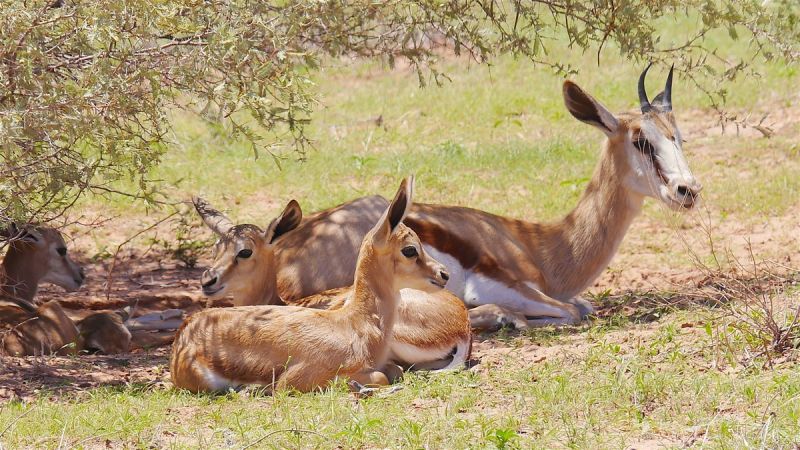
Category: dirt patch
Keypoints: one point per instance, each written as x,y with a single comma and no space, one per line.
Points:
150,283
28,378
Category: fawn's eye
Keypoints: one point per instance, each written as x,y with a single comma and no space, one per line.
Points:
62,251
410,251
244,253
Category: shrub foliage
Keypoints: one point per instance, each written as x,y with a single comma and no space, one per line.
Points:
85,87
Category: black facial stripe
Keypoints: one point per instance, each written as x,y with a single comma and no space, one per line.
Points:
643,145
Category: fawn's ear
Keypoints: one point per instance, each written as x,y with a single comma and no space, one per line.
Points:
585,108
396,212
218,222
288,220
13,232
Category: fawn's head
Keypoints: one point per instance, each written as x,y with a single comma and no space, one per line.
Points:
244,255
648,142
396,251
39,254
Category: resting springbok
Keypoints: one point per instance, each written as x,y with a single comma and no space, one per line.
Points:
320,253
432,330
539,269
39,254
303,348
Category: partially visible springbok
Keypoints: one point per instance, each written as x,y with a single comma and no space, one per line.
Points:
432,330
302,348
39,254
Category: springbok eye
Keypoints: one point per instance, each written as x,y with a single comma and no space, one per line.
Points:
244,253
410,251
62,251
642,144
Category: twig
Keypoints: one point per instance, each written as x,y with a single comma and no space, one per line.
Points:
17,419
290,430
110,278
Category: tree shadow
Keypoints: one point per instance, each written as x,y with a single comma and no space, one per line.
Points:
29,378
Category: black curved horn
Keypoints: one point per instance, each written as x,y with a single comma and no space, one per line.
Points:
644,103
668,91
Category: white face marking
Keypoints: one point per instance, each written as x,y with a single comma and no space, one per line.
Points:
672,162
62,271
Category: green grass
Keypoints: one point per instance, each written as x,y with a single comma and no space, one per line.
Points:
496,138
607,392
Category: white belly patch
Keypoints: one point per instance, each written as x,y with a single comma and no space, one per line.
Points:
409,354
477,289
482,290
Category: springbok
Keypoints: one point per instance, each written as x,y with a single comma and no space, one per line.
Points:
432,330
302,348
538,269
39,254
319,254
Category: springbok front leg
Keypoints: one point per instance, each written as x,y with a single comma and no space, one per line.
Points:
169,319
491,317
370,378
520,296
585,306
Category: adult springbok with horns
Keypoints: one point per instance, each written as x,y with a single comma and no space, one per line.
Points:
303,348
539,269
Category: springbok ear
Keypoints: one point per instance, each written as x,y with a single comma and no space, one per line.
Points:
288,220
218,222
31,234
9,231
396,212
658,101
14,232
585,108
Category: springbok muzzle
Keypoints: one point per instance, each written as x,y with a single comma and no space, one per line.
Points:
209,281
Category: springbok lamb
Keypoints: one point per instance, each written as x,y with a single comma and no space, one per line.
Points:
303,348
35,255
432,330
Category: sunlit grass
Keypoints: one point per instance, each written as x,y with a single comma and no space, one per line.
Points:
607,392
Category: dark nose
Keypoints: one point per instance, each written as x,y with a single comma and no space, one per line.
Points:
208,279
445,276
686,195
684,192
